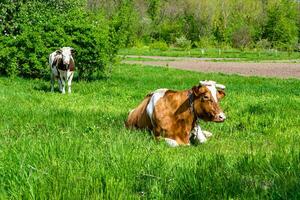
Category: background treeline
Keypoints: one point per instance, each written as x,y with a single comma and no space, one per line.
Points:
31,29
209,23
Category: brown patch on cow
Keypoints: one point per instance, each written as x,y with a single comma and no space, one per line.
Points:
173,117
138,118
72,64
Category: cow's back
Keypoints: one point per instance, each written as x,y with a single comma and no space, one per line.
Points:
138,117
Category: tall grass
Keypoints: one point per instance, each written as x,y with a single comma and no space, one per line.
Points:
55,146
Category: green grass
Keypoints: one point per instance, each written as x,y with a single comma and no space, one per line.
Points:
247,55
143,59
55,146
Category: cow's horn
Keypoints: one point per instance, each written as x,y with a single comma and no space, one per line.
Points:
207,83
202,82
220,86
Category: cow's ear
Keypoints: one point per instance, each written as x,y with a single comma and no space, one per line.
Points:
58,51
198,90
73,51
220,94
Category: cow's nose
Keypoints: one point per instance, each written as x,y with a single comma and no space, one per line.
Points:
221,116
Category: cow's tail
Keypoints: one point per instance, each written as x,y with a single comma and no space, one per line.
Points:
138,117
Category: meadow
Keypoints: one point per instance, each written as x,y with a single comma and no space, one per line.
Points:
256,55
55,146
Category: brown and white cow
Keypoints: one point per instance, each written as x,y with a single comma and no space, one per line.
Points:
62,68
173,115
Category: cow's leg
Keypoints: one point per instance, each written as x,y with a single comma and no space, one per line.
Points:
171,142
59,83
63,81
52,82
207,134
70,77
197,136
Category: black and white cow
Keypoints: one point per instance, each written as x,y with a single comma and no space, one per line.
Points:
62,68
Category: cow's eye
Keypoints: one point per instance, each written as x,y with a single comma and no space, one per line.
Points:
205,98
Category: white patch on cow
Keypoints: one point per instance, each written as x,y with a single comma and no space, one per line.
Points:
198,134
69,78
207,134
171,142
66,54
63,76
211,86
213,91
157,94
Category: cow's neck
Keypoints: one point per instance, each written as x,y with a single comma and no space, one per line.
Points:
191,97
186,109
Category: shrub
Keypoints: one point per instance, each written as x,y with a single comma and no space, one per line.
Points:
241,38
206,42
161,45
183,42
263,44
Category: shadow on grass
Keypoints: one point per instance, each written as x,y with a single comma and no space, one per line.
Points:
45,87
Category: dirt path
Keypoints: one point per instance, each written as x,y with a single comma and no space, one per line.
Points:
283,69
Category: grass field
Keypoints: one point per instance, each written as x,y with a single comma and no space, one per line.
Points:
55,146
238,55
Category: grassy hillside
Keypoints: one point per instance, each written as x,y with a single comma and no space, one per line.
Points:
55,146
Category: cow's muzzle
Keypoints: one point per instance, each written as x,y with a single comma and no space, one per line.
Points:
66,63
220,117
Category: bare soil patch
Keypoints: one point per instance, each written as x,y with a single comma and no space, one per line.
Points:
281,69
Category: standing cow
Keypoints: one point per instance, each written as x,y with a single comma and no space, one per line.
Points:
62,68
173,115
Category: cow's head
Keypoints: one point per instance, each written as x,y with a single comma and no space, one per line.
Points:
206,101
66,54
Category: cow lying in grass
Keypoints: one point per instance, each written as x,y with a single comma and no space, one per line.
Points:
173,115
62,68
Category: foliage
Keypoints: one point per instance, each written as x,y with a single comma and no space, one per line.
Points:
161,45
80,147
205,42
281,27
263,44
183,42
241,38
234,23
37,28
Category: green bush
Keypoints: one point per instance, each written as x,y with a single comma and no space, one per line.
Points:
184,43
205,42
44,27
241,38
161,45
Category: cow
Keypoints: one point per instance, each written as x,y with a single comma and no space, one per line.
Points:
173,115
62,68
